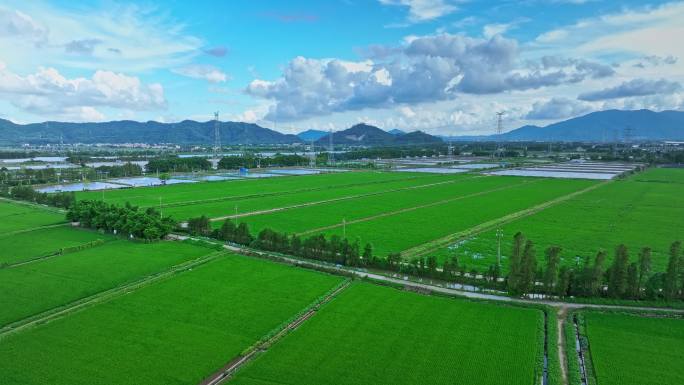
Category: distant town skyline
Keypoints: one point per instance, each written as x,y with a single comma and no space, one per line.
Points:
444,67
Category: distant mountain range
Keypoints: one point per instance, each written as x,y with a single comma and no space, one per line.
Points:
126,131
601,126
190,132
366,135
310,135
609,126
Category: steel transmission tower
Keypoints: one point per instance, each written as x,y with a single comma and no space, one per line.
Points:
217,135
499,129
312,158
331,156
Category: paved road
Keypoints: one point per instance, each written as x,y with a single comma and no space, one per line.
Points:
454,292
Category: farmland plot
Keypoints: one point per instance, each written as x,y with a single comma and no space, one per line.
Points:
30,289
178,331
225,207
198,192
29,245
310,218
646,210
404,230
629,349
18,217
377,335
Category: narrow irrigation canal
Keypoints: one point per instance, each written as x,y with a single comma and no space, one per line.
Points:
545,373
580,354
230,368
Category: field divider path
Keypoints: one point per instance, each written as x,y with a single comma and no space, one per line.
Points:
53,254
104,296
338,199
436,244
34,205
276,193
16,232
413,208
229,369
561,319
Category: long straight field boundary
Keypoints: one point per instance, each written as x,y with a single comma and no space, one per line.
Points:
229,369
561,319
413,208
104,296
439,243
34,205
276,193
338,199
33,229
56,253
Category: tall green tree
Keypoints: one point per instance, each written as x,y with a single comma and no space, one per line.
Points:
564,281
528,268
644,267
552,265
617,284
597,272
227,231
515,264
671,279
431,265
367,254
633,281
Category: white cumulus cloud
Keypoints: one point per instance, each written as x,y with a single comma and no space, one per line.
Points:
49,92
199,71
424,10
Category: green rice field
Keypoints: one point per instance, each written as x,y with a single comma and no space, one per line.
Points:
629,349
16,217
234,189
39,243
646,210
178,331
33,288
224,207
371,334
309,218
396,233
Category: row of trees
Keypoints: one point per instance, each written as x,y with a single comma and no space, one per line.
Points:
334,250
176,164
126,169
595,278
29,176
128,220
251,161
25,193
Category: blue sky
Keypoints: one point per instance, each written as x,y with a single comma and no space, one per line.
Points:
441,66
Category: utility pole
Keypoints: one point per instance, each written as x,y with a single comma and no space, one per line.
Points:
499,235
